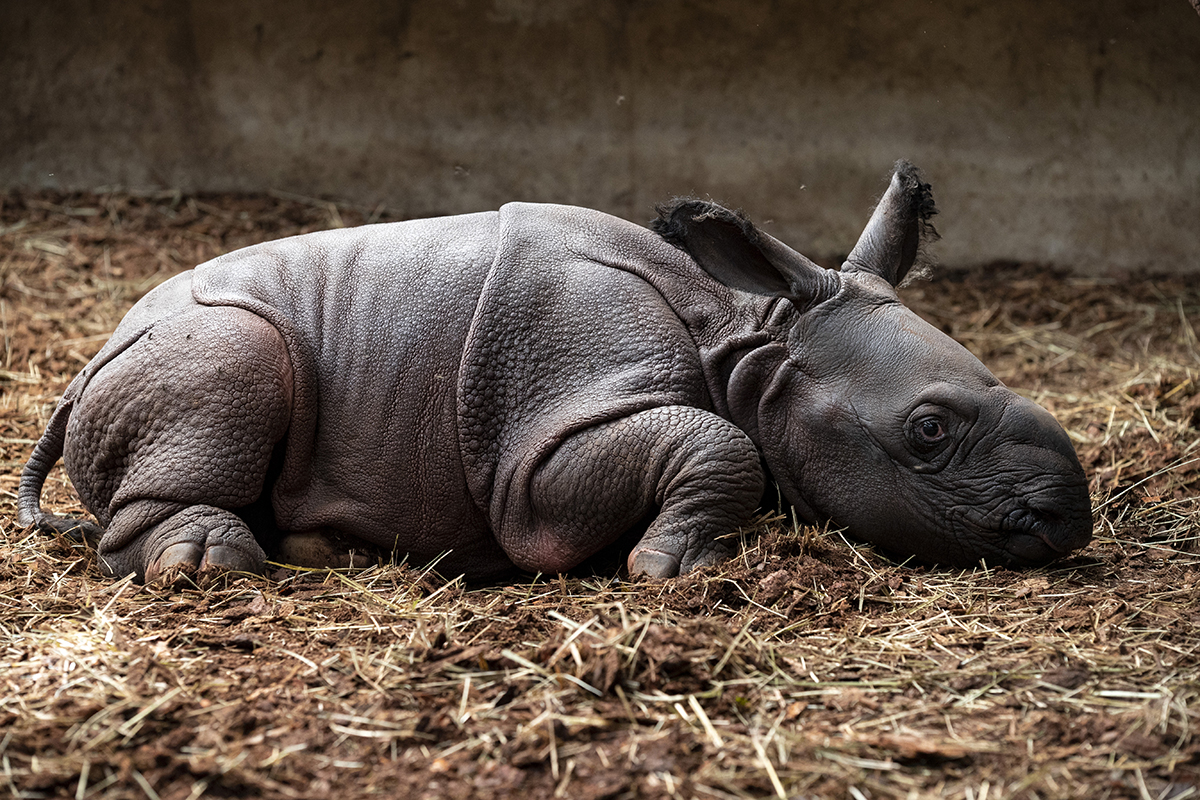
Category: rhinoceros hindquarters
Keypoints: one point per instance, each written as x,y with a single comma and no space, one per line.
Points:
175,434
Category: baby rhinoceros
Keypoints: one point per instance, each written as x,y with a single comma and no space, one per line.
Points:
529,386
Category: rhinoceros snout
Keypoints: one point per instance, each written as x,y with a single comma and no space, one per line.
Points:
1051,512
1068,525
1052,524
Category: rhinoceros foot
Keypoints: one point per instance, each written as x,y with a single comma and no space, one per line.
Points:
198,539
653,564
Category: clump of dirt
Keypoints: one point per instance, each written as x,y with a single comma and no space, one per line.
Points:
809,665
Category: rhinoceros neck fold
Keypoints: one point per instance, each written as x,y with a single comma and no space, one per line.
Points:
738,336
748,374
741,342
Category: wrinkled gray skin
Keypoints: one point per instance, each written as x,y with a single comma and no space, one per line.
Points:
525,387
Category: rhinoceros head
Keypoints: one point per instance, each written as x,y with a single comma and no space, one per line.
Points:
868,416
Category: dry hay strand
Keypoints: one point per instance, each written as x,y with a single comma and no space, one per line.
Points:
809,665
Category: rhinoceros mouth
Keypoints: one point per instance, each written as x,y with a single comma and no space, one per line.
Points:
1035,536
1031,549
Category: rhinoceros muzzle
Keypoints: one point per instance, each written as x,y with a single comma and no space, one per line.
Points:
1052,524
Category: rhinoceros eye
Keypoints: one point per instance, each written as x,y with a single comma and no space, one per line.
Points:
929,431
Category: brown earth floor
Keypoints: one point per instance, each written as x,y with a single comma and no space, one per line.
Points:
808,666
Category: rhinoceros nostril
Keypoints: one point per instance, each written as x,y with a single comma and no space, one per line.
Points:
1046,517
1060,528
1020,520
1063,528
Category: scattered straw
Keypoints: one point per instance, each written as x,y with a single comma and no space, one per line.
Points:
807,666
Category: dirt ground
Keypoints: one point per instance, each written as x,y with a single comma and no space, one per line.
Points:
809,666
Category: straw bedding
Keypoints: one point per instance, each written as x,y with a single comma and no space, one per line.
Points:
808,666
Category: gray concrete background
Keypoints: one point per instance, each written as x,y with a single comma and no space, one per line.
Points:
1058,132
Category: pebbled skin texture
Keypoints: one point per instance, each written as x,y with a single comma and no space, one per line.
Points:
165,429
526,387
428,420
699,471
468,416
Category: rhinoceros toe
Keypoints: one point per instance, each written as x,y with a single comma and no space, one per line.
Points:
653,564
227,559
196,539
181,558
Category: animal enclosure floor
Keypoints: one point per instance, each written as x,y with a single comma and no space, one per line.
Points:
807,666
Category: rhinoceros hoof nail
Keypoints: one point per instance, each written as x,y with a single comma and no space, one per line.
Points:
224,559
654,563
177,559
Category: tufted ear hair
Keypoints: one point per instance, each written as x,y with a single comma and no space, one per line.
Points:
728,247
898,229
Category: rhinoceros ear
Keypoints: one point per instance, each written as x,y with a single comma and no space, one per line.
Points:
898,229
728,247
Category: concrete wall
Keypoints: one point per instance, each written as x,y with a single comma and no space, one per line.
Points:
1053,131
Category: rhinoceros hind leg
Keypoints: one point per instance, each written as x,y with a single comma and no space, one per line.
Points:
188,539
175,435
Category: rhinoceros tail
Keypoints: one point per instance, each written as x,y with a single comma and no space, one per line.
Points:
29,494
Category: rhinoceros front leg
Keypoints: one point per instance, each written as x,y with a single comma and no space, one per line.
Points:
700,471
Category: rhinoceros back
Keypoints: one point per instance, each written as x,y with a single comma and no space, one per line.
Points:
375,320
438,362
